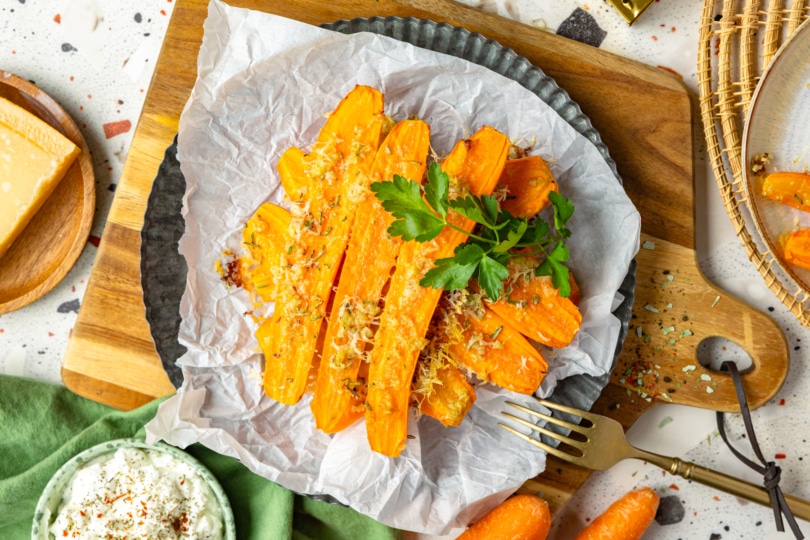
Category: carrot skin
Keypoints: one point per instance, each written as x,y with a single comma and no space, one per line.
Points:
476,162
789,188
797,248
529,181
503,356
370,256
323,210
520,517
625,519
536,310
265,236
293,173
451,399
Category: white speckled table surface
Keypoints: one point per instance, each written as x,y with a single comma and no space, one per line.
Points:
96,59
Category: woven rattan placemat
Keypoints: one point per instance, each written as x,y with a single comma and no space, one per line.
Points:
737,41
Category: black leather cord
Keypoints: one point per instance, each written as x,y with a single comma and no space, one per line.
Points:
768,469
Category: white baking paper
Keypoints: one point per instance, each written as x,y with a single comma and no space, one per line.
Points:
264,84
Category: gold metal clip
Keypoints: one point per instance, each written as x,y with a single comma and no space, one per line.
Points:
631,9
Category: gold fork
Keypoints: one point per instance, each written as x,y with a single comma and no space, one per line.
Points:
605,445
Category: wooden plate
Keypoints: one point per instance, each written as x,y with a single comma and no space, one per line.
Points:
777,123
51,243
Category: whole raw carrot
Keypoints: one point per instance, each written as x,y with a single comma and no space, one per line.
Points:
625,519
521,517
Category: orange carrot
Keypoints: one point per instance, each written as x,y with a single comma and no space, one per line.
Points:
476,162
528,181
322,212
532,306
625,519
294,174
797,248
498,353
370,256
790,188
265,236
520,517
450,397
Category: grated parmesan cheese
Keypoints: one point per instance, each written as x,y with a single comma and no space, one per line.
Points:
355,317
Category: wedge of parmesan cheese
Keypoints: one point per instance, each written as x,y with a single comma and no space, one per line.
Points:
34,158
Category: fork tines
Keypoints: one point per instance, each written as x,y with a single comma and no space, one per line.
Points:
579,445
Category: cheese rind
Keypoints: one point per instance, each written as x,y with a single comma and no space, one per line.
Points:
34,158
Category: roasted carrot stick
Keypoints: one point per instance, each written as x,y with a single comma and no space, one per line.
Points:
366,268
520,517
449,396
440,390
476,163
293,171
498,353
797,248
625,519
322,212
265,236
790,188
528,181
533,307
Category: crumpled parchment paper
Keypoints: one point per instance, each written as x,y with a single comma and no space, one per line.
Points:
264,84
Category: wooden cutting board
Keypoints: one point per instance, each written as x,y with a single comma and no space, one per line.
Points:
644,115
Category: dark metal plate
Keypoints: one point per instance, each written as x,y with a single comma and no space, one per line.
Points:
163,269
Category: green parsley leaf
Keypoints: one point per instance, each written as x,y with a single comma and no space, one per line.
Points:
470,207
454,272
437,188
490,209
554,266
491,275
498,237
400,197
537,230
563,210
512,238
560,253
502,258
504,215
482,210
403,199
469,253
419,226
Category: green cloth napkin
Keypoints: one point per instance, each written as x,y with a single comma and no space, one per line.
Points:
43,425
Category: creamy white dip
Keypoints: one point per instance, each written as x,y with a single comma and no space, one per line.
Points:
137,493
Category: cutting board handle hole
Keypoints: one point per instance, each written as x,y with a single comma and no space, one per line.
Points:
714,350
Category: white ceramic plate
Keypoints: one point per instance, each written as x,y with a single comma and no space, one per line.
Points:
51,497
779,123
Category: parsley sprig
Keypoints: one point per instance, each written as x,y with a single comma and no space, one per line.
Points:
499,236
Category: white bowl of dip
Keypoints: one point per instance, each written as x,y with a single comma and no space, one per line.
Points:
129,488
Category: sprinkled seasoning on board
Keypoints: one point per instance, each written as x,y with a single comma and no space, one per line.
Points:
655,363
